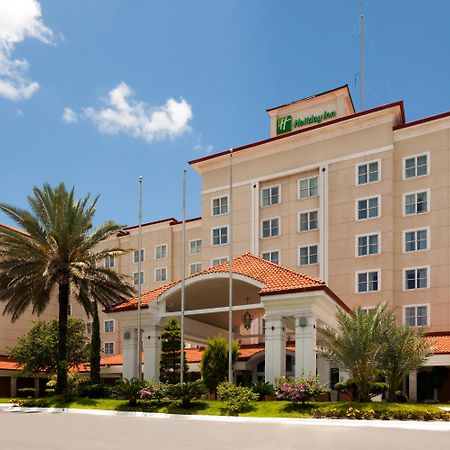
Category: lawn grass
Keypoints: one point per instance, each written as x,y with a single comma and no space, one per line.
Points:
213,407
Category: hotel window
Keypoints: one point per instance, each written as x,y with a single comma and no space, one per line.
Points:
89,328
368,281
416,240
416,166
416,315
220,236
109,348
270,196
368,208
308,221
416,203
217,261
136,256
195,246
367,309
194,268
308,187
161,251
368,172
220,205
160,274
272,256
110,262
416,278
307,255
368,244
109,326
136,278
270,228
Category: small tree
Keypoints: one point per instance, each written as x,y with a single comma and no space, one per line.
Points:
170,362
214,363
38,350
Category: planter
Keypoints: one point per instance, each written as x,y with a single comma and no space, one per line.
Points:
270,398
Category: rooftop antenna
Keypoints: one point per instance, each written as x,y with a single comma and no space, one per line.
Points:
361,54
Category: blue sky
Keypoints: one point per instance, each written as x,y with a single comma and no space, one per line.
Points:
114,89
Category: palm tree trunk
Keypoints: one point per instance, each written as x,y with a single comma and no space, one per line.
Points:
95,346
63,300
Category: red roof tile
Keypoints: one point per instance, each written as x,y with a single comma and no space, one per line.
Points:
275,278
440,342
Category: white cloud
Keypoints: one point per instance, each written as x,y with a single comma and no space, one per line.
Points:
123,114
69,116
19,20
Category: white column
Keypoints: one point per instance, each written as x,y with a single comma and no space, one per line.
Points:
152,352
129,349
13,385
305,344
412,394
275,349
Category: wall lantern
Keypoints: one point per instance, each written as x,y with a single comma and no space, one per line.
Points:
247,319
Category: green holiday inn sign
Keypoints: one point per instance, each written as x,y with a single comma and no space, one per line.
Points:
285,123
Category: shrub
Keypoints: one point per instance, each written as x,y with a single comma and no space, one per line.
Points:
299,389
26,392
350,387
186,392
49,392
263,388
95,390
129,389
236,398
400,397
153,391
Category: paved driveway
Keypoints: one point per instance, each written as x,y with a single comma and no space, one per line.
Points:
61,431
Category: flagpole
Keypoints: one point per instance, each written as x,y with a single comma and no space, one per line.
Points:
230,286
183,276
139,351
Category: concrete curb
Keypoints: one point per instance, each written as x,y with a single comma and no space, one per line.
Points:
398,424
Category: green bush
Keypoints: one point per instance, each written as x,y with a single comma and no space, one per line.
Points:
299,389
262,388
350,387
26,392
153,391
236,398
186,392
95,390
49,392
129,389
400,397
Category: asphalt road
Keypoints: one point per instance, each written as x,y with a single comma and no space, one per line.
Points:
60,431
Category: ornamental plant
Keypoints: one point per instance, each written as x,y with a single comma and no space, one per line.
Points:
236,398
153,391
300,389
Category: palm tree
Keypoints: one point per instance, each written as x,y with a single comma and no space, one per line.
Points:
56,253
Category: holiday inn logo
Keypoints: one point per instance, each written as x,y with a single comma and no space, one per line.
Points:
285,123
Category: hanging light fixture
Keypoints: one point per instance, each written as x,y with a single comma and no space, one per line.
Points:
247,319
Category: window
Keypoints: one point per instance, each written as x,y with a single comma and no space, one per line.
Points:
160,274
109,348
270,228
367,309
308,221
272,256
220,205
416,166
136,256
110,262
416,203
307,255
161,251
136,278
195,246
308,187
415,240
368,172
368,208
368,244
69,309
89,328
368,281
217,261
220,236
109,326
416,315
194,268
270,196
416,278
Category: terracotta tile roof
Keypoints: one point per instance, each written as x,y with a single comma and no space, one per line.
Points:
275,278
7,364
440,341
